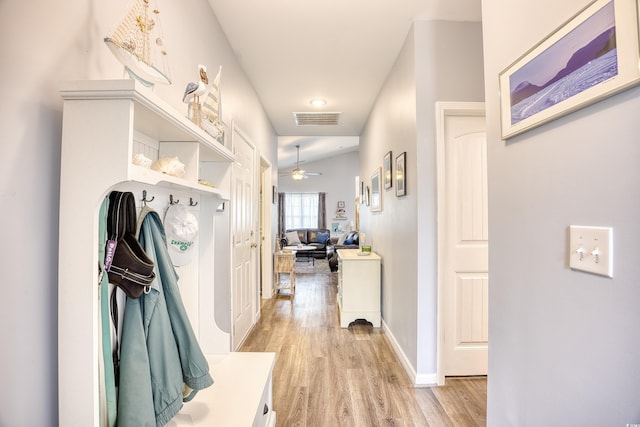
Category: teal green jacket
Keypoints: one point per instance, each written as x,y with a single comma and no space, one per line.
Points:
159,353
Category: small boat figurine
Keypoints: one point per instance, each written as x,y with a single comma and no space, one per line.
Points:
211,104
212,110
138,44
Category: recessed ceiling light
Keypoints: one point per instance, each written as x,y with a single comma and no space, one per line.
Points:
318,102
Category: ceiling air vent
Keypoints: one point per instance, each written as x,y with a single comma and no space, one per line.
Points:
316,119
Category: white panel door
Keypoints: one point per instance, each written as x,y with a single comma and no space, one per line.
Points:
244,235
466,247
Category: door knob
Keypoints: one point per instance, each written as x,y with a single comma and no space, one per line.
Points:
254,245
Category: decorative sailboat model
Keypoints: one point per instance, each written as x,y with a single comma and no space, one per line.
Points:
137,42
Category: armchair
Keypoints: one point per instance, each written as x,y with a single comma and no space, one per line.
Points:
348,240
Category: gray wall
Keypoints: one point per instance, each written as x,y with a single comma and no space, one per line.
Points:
449,68
564,345
337,180
391,126
440,61
44,43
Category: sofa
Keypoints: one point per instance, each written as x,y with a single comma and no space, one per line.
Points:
349,240
319,238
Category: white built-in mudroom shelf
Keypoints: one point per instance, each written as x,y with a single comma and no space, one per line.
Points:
105,123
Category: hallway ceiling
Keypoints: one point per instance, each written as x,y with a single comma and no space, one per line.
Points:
338,50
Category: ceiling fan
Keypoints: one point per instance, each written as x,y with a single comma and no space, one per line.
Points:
298,173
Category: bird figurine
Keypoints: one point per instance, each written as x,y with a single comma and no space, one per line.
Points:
194,91
189,92
202,70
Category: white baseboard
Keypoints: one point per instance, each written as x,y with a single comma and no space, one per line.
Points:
426,380
422,380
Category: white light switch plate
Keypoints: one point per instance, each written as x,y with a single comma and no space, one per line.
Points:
591,249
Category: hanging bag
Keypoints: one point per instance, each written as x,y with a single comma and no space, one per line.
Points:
127,264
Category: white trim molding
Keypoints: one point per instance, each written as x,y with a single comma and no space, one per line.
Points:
418,380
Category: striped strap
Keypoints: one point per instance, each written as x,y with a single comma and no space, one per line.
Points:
108,402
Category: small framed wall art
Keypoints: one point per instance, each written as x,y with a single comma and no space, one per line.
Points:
401,164
376,194
387,170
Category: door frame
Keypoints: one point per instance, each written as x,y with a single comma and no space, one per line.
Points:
266,239
443,110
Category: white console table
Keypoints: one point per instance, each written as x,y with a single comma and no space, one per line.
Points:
358,287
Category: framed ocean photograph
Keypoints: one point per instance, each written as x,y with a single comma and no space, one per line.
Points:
591,56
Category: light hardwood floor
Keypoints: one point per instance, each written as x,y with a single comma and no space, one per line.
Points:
328,376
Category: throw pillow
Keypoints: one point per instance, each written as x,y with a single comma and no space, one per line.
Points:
342,239
322,238
292,238
349,242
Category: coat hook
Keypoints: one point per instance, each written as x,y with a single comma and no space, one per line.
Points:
192,203
144,197
171,201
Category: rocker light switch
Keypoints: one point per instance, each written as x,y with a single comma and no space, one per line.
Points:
591,249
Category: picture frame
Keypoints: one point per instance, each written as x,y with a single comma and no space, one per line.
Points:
387,170
401,165
376,193
568,70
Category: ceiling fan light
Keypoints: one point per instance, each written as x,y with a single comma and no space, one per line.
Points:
297,174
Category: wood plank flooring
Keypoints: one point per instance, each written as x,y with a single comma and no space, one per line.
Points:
328,376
